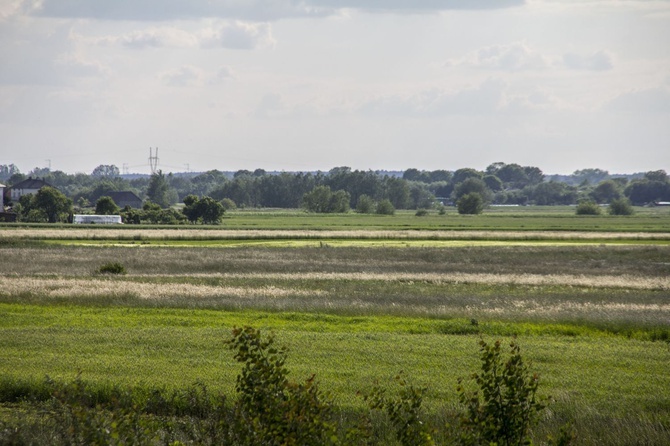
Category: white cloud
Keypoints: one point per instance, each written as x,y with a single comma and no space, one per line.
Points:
515,56
238,35
184,76
232,35
598,61
519,56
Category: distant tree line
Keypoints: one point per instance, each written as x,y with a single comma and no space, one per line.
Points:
342,188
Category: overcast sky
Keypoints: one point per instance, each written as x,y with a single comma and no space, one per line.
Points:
313,84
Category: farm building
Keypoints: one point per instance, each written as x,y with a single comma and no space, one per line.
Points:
25,187
86,219
126,198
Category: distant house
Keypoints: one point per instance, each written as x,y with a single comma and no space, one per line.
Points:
126,198
25,187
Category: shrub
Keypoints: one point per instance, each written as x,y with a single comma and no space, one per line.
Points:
471,203
365,205
385,207
504,407
421,213
270,409
620,206
111,268
588,207
403,412
228,204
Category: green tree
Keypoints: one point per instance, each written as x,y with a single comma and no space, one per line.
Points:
606,191
106,206
365,205
322,200
471,203
385,207
205,209
106,170
158,190
471,185
55,205
588,207
620,206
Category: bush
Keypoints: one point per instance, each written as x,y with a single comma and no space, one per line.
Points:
385,207
270,409
588,207
620,206
421,213
471,204
504,407
111,268
228,204
365,205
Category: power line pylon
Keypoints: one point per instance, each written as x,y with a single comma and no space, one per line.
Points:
153,160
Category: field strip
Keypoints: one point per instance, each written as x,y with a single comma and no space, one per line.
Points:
62,287
66,286
228,234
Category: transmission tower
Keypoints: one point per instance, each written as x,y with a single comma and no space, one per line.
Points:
125,168
153,160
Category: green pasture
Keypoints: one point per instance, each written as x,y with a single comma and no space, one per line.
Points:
610,375
523,218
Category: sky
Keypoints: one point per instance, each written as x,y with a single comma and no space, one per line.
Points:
303,85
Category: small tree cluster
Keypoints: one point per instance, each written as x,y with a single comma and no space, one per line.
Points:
106,206
588,207
367,205
322,200
152,213
471,203
48,204
205,209
620,206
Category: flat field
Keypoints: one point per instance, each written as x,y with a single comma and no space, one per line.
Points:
590,309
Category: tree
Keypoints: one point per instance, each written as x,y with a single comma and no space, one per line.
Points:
588,207
463,174
205,209
106,206
493,182
322,200
472,185
365,205
620,206
106,170
55,205
471,203
385,207
606,191
657,175
158,190
7,170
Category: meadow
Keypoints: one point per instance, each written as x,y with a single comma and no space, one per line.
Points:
590,309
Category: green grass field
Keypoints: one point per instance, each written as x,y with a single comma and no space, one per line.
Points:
592,312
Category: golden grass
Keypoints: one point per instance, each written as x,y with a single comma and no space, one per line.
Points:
212,234
65,287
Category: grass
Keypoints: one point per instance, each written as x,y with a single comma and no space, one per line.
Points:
594,318
593,377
